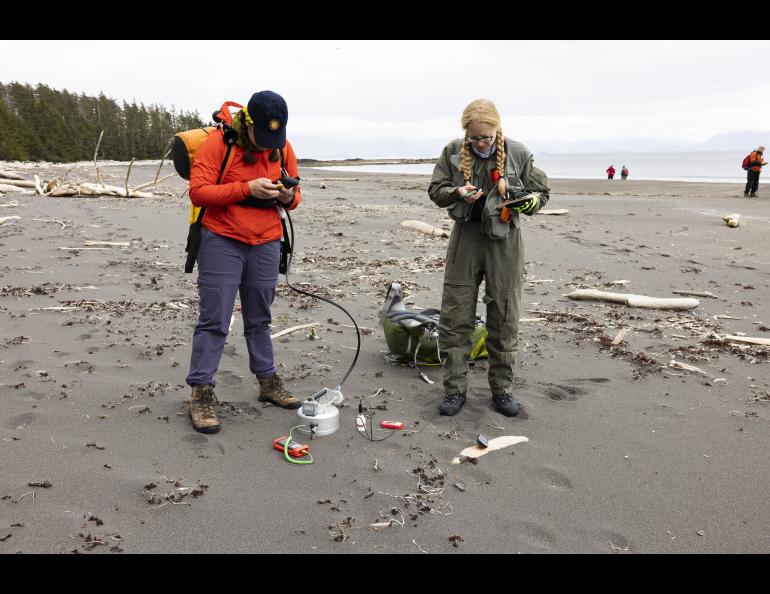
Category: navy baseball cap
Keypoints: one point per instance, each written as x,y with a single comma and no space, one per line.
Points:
268,114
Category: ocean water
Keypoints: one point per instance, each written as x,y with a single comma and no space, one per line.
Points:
713,167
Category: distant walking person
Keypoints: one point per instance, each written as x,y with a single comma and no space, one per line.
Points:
756,163
624,172
610,172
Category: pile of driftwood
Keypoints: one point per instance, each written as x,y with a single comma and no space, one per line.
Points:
58,186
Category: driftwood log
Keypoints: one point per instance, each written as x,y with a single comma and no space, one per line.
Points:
21,183
425,228
10,175
635,300
747,339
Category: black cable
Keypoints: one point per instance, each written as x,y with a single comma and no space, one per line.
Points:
288,267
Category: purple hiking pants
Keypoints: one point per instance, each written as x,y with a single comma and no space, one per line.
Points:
226,266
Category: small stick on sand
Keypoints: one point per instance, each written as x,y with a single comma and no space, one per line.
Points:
115,243
4,219
696,294
293,329
63,225
82,248
686,367
620,336
577,317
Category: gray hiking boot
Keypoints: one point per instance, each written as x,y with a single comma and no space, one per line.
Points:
272,390
506,405
451,404
202,401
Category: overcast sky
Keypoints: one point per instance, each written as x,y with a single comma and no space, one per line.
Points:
374,98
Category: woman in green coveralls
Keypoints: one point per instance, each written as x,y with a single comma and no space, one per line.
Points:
472,178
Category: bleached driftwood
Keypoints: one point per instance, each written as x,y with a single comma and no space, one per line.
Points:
425,228
620,336
635,300
494,444
96,151
293,329
10,175
89,189
21,183
732,220
4,219
747,339
553,211
9,189
686,367
696,294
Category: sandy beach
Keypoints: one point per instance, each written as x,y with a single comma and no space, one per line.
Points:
625,452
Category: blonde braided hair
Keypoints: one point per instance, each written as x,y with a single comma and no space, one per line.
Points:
484,111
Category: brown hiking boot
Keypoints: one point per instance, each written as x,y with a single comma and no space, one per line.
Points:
753,195
202,401
272,390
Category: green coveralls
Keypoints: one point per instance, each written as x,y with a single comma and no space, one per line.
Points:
471,257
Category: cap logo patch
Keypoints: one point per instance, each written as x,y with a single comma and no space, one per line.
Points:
274,125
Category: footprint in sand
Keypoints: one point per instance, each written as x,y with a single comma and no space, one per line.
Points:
195,439
553,478
84,337
201,445
24,419
536,535
613,539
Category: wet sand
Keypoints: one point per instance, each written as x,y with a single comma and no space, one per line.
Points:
625,454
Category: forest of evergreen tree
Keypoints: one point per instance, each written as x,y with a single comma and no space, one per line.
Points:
43,124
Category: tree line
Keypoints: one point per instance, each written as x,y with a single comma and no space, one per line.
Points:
44,124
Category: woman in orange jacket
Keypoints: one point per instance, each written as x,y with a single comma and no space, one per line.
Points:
240,248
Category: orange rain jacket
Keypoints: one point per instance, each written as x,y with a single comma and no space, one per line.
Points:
755,156
223,216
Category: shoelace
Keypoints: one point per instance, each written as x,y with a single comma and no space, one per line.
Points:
207,403
452,399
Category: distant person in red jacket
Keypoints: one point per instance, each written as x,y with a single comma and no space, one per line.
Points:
756,163
624,172
610,172
240,249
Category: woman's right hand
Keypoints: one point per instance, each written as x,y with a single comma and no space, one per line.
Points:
262,188
469,193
